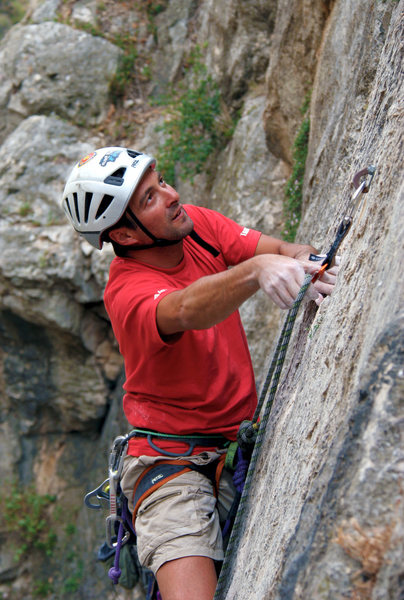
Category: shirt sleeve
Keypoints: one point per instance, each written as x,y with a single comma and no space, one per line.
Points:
132,311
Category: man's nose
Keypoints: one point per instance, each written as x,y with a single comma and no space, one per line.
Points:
171,195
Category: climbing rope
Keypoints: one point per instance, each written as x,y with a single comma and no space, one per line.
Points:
273,377
255,429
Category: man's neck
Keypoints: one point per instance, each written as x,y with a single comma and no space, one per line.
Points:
164,257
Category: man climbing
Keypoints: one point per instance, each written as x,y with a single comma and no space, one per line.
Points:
172,300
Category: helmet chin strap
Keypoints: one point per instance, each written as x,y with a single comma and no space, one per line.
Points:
157,242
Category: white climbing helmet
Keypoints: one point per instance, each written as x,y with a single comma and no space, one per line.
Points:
99,188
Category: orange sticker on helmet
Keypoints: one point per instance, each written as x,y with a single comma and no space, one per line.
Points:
86,159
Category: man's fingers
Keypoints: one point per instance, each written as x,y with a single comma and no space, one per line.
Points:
283,295
287,297
325,284
276,298
312,293
324,288
310,266
319,300
281,278
332,272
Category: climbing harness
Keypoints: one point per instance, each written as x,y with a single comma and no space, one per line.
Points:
253,431
120,523
160,472
241,456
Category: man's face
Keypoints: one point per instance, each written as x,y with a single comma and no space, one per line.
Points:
156,204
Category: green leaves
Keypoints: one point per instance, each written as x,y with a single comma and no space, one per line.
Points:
193,127
292,207
25,515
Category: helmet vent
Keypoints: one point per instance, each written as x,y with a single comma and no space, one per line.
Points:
104,204
76,206
87,204
68,207
119,173
116,178
133,153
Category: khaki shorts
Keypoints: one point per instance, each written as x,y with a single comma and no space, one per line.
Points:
182,517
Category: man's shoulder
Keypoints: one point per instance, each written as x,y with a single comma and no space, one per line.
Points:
122,272
129,270
129,284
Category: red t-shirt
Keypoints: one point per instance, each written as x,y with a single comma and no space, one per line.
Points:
203,382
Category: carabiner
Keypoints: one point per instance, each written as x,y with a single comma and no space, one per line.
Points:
117,455
111,533
361,187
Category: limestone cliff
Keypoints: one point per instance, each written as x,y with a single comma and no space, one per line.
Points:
325,517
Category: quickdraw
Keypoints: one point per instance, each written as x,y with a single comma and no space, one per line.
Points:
361,187
252,432
116,459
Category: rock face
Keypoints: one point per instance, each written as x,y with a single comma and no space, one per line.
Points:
240,38
291,69
324,519
51,68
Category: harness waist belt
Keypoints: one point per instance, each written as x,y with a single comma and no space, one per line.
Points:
193,440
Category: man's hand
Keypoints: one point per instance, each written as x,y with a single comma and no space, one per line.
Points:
326,283
281,278
300,252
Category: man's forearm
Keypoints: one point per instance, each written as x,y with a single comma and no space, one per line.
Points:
270,245
213,298
299,251
209,300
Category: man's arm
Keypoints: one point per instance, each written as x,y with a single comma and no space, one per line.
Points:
301,252
213,298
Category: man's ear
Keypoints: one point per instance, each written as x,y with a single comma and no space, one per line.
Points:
124,236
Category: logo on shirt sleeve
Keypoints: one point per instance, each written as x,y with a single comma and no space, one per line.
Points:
159,292
245,232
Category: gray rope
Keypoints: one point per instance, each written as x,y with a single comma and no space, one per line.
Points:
271,383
